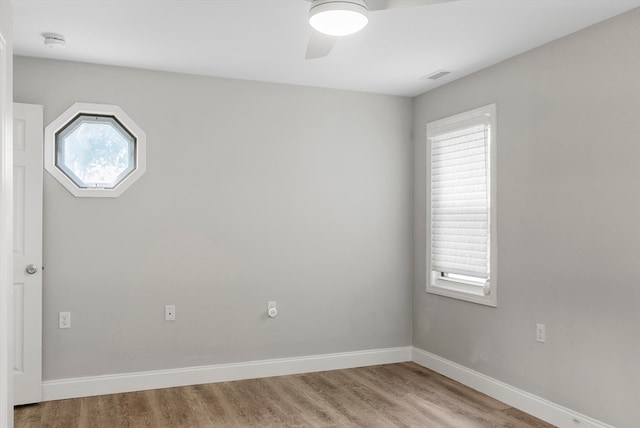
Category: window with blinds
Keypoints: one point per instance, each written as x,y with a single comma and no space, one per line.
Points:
461,149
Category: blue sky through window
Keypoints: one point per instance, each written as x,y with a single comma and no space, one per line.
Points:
95,151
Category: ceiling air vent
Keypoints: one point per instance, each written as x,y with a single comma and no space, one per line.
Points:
435,75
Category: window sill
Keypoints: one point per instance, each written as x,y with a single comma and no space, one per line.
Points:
460,291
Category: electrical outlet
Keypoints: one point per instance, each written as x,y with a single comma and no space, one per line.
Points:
541,333
170,313
64,320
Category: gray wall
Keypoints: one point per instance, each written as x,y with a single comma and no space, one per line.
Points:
253,192
568,146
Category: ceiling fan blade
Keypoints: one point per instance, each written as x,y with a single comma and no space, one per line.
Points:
319,45
374,5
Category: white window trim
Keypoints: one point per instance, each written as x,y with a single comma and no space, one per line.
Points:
486,295
103,110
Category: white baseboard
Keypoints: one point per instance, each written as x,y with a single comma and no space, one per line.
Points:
514,397
129,382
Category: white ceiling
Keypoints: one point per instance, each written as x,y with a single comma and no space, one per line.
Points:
265,40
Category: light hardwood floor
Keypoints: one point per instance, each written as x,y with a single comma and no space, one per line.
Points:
391,395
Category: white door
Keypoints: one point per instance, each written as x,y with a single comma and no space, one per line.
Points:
27,252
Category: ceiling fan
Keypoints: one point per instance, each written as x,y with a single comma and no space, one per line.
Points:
332,19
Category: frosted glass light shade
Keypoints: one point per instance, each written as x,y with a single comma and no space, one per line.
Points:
338,18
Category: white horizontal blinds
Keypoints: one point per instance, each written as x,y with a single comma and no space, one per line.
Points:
460,202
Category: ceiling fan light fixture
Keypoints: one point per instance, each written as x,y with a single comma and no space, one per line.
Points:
338,17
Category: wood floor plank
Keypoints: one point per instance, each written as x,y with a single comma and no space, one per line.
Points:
404,401
363,399
61,414
171,410
427,402
330,395
199,407
306,402
386,396
28,416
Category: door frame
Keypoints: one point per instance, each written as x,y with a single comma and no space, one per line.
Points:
6,216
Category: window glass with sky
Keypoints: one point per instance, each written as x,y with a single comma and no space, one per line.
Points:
95,151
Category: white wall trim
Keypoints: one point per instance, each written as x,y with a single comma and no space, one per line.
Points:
539,407
6,215
139,381
128,382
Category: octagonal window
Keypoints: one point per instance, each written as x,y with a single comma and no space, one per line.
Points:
94,150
